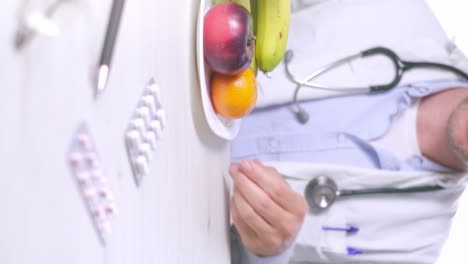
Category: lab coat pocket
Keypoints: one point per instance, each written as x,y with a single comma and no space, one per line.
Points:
322,239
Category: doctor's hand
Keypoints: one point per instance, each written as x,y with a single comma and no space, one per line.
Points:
266,211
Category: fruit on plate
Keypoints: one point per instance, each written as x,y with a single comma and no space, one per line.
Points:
250,6
234,96
228,39
272,28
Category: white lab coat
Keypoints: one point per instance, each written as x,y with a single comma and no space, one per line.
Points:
403,228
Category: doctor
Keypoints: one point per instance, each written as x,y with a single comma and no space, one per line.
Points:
418,127
429,132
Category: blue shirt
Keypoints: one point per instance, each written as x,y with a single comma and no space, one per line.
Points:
338,130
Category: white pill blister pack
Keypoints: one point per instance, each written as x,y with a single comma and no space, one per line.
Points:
145,131
92,182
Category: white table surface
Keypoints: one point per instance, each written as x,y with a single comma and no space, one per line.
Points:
179,214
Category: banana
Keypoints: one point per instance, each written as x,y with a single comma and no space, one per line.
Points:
253,12
273,18
250,5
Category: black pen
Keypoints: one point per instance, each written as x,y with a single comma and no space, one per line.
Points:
109,42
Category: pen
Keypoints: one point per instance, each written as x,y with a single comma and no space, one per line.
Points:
354,251
350,229
109,42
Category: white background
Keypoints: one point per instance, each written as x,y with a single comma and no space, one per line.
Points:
454,19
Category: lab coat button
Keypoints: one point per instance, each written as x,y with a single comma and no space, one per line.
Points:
341,138
423,90
274,144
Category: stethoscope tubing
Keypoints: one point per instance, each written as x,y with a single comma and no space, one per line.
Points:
401,67
306,81
420,189
322,192
383,190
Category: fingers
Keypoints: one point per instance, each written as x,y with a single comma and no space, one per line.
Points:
244,230
262,244
269,180
265,209
255,222
261,202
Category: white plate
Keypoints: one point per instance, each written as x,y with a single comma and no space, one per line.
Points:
223,127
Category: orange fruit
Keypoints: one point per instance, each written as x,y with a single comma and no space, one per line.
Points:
234,96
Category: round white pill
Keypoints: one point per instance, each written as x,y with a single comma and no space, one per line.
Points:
156,127
151,103
150,138
142,166
144,113
161,116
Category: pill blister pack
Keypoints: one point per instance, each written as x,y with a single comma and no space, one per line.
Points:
92,182
145,130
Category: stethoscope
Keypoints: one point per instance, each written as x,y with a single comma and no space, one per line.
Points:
322,192
400,65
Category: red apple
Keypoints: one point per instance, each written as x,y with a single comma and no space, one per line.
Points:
228,39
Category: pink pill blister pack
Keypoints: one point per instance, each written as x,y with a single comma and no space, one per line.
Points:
92,182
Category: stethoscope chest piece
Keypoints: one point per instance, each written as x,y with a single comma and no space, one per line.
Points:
321,193
302,116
